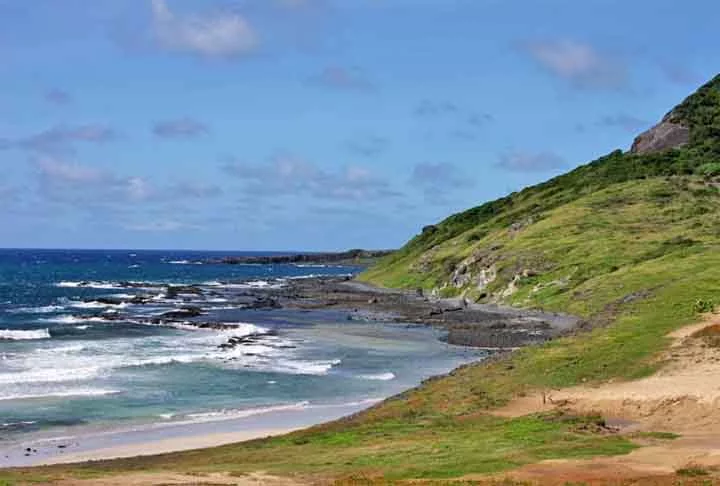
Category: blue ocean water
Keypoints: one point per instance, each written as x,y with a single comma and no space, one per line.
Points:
78,349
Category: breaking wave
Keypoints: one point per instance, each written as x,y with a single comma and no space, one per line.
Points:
13,335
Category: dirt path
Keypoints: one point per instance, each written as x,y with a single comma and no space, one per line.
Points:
169,479
683,398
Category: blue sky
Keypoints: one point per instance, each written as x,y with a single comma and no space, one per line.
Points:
316,124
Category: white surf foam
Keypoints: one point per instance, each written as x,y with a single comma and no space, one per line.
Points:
221,415
16,424
88,284
379,376
46,309
96,305
80,392
303,367
50,375
73,319
14,335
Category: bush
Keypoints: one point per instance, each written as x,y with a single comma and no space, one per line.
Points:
703,306
692,471
711,169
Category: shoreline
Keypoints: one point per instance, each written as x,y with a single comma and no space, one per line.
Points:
490,327
151,439
164,446
472,325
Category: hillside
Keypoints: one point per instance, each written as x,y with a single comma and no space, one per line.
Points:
629,242
520,249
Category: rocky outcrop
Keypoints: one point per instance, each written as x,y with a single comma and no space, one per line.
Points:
346,257
666,135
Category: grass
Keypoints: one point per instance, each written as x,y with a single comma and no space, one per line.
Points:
656,435
692,471
432,447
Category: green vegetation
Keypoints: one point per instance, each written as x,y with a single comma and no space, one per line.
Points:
656,435
412,266
427,446
692,471
631,243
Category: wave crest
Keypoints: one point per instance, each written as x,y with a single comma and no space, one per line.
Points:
14,335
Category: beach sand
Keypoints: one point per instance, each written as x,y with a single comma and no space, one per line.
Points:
152,439
164,446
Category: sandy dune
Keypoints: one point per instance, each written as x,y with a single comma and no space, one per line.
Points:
683,398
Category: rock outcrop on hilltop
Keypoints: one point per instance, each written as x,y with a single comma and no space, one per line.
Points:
665,135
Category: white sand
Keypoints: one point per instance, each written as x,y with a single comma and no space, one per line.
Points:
164,446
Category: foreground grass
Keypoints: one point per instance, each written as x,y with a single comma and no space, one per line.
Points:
415,447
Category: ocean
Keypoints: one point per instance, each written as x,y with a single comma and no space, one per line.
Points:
82,349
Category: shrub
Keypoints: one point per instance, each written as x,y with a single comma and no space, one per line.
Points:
692,471
708,170
703,306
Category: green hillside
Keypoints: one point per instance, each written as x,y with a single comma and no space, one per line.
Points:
630,242
526,237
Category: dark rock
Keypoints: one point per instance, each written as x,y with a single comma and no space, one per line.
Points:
264,303
250,339
173,291
182,313
320,258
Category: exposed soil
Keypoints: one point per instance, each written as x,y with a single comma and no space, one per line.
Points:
683,398
170,479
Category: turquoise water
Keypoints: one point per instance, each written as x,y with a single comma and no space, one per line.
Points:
70,361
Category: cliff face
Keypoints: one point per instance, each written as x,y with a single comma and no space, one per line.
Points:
664,136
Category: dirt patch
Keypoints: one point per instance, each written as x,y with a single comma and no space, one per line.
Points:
683,398
168,479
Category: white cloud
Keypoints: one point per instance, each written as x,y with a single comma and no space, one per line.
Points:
79,184
579,63
288,174
225,34
437,181
163,226
180,128
61,138
56,171
628,123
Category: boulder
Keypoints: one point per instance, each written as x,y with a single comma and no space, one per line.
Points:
666,135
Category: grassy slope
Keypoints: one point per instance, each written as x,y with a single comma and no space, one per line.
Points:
628,242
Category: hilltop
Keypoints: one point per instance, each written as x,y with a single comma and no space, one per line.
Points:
631,244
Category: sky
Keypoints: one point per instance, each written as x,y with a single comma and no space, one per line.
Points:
316,124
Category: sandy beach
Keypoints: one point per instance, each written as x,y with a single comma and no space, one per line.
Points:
156,438
165,446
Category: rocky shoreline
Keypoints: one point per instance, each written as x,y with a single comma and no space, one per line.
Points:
467,324
350,257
